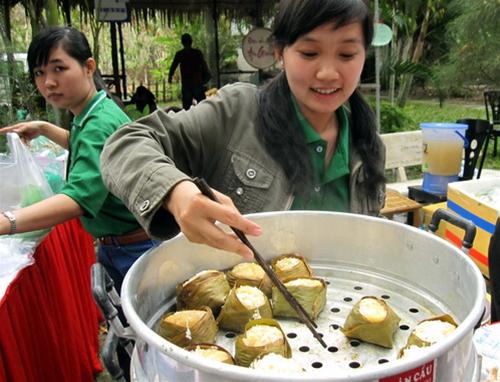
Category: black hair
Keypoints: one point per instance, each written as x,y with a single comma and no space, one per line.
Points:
74,43
186,39
280,128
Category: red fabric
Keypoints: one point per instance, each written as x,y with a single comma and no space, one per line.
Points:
48,319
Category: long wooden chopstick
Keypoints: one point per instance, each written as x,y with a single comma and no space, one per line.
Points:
303,316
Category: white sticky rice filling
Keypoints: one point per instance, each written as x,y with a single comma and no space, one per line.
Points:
278,363
311,283
211,353
287,263
251,297
260,335
251,271
372,310
433,330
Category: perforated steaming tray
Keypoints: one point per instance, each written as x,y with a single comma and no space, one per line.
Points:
346,286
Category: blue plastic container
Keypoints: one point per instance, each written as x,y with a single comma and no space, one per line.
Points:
437,184
443,145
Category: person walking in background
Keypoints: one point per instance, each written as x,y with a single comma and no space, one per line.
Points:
194,72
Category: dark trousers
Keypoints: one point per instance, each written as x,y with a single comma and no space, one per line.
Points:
117,260
190,92
494,268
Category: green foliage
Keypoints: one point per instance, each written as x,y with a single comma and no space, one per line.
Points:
393,118
474,36
408,67
17,93
425,111
407,57
20,30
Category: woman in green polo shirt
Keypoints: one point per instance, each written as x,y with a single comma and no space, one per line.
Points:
62,67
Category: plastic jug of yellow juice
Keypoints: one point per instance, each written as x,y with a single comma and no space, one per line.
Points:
442,152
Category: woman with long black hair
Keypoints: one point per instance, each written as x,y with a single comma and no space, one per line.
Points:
307,140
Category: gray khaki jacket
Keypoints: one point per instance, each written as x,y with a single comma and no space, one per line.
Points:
216,140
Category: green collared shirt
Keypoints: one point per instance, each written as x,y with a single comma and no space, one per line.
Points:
331,184
104,214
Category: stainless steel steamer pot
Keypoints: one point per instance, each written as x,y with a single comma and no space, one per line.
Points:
419,273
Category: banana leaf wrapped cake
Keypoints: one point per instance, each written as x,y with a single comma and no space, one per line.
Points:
276,363
207,288
372,320
187,327
427,333
213,352
310,292
244,303
250,274
291,266
261,337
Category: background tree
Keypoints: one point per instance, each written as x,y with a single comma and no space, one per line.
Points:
34,9
474,37
412,22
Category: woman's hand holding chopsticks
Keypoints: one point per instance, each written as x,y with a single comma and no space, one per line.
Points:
196,216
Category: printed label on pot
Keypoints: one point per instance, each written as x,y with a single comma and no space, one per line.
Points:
423,373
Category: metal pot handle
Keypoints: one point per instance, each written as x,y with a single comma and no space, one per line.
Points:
470,234
107,299
450,217
109,358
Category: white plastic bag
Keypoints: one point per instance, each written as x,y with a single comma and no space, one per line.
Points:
52,159
23,182
487,343
15,254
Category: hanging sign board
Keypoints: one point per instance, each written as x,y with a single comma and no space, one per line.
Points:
112,10
382,35
257,48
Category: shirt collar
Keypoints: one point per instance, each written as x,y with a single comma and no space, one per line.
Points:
96,100
312,135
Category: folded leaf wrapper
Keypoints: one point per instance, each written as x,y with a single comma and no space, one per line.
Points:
310,292
250,274
207,288
291,265
243,304
375,325
188,327
260,337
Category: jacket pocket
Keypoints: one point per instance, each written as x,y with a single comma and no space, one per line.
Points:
250,172
376,203
248,183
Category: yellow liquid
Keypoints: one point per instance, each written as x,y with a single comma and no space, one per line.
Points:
442,158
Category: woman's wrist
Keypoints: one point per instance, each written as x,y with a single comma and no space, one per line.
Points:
44,128
7,223
180,191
